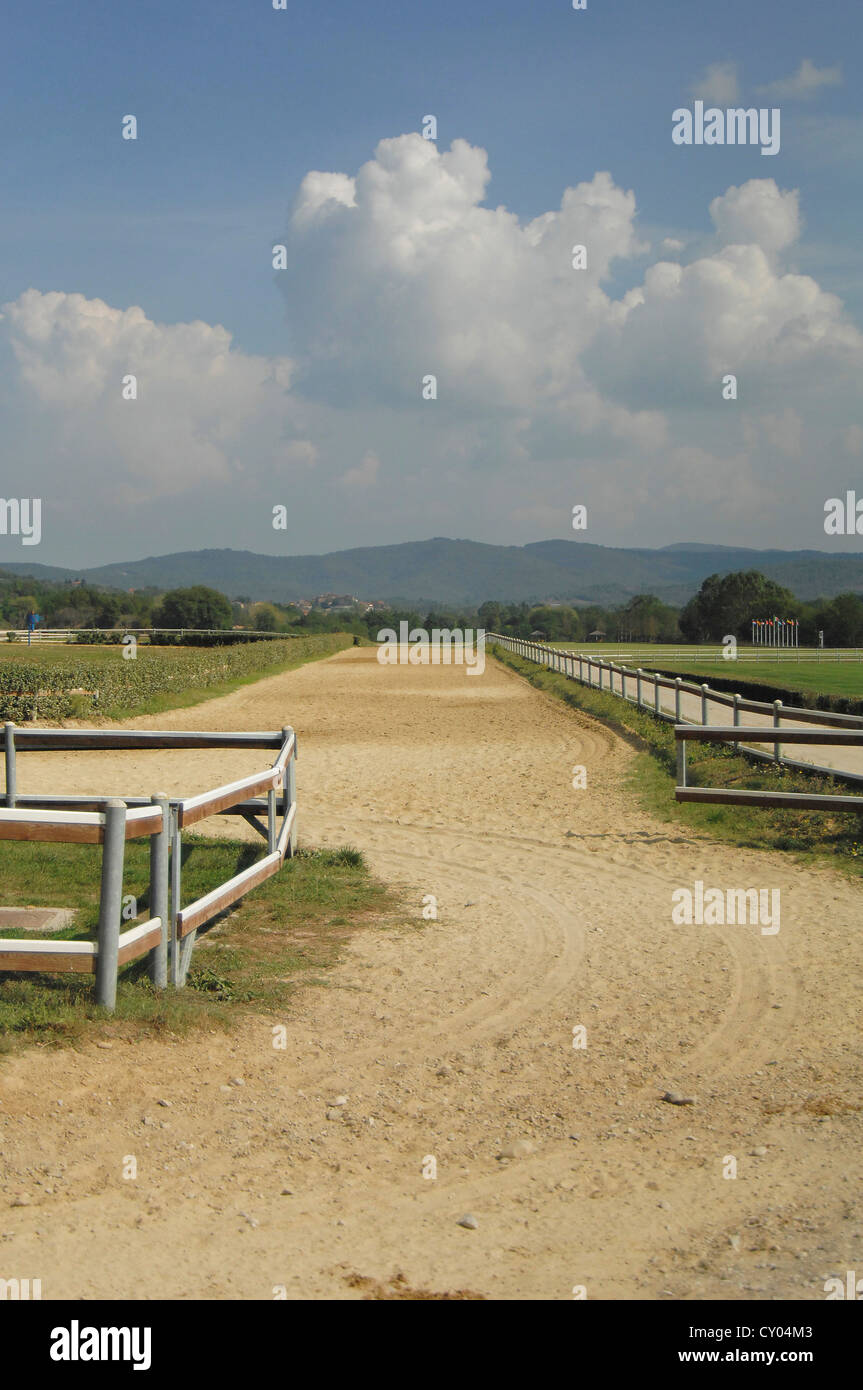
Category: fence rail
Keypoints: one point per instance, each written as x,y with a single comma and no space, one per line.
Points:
735,796
69,634
168,937
644,689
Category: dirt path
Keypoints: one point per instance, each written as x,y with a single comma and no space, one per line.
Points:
455,1040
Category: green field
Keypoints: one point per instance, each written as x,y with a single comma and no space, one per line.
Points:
814,678
64,654
815,673
76,682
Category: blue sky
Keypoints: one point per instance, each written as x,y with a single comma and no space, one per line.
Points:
237,103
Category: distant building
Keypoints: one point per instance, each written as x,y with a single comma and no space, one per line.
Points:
597,635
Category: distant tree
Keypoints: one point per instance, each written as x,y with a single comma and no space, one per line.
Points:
649,619
490,616
727,603
266,618
197,608
107,610
842,621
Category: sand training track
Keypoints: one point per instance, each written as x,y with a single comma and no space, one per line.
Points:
453,1038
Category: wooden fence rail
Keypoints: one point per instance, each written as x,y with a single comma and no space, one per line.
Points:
168,937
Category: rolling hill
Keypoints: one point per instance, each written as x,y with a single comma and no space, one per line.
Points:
467,572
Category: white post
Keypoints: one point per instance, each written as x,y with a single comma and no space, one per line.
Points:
159,851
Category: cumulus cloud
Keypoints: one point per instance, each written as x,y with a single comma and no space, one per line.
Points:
198,406
802,84
551,389
758,213
718,85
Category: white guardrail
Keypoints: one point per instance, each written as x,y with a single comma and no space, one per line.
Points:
646,690
70,634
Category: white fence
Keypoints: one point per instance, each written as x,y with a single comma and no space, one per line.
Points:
70,634
682,702
171,931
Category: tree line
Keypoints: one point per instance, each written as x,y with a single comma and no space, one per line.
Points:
724,605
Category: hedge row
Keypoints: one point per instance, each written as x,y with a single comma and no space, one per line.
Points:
78,690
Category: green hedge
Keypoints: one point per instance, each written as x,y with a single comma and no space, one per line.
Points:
34,690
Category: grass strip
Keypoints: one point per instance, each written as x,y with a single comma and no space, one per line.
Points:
286,933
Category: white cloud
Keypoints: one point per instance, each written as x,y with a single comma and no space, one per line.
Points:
758,213
802,84
199,401
550,391
718,85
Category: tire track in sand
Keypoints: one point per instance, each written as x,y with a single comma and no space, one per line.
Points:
454,1037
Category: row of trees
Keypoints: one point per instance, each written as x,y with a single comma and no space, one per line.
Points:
644,618
725,604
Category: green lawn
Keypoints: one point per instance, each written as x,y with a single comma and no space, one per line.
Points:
813,677
824,674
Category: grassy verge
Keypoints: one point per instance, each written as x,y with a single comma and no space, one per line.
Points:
809,834
285,933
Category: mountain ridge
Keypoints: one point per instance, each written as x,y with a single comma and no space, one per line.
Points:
465,572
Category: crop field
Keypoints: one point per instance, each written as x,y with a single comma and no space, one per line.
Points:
49,654
79,682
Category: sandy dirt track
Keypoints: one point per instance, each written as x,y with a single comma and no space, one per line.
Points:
453,1038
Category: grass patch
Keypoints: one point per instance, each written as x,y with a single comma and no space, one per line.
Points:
286,933
809,834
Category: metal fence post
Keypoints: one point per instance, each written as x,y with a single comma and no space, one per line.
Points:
736,719
600,673
271,821
9,729
657,704
777,721
159,851
681,762
110,902
176,892
704,714
677,696
638,675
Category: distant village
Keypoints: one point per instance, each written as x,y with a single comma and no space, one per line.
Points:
334,603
